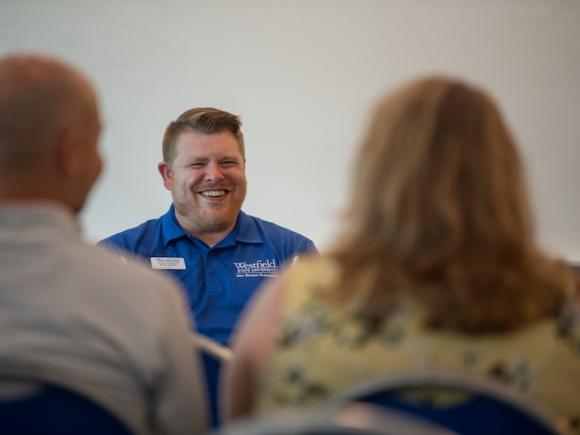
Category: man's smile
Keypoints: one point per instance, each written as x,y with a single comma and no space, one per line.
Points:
213,193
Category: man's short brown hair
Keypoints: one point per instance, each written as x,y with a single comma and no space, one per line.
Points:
206,120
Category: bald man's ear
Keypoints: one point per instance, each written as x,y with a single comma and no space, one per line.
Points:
68,153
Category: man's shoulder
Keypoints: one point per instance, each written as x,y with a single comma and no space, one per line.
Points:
145,227
135,238
125,271
279,234
274,228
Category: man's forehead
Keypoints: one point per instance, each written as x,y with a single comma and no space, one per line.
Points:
195,142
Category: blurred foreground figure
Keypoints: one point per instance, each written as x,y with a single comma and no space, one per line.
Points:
436,267
73,314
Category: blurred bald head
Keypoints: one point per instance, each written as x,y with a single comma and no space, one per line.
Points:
49,129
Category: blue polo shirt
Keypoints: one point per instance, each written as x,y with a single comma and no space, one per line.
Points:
219,280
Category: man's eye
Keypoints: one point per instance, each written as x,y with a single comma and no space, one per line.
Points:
229,163
196,165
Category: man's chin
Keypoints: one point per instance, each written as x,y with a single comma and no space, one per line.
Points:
206,221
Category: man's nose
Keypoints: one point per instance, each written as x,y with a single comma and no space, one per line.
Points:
213,172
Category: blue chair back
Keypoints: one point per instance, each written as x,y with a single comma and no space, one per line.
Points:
47,409
486,407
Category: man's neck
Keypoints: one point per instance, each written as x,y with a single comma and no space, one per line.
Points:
32,198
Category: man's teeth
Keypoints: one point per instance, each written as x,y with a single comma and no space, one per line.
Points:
213,193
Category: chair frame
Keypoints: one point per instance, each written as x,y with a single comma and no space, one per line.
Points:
211,347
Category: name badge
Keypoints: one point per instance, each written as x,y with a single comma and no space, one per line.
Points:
171,263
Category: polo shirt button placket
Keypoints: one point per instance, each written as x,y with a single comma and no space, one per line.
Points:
215,286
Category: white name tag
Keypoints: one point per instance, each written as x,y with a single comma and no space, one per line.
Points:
174,263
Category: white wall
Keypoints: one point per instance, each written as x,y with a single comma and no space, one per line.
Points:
303,75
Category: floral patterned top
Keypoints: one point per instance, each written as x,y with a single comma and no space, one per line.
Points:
321,351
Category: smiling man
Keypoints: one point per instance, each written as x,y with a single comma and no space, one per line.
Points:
219,253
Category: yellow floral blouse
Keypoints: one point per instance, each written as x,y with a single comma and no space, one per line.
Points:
321,351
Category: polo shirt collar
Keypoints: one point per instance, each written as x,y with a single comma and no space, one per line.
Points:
245,231
171,230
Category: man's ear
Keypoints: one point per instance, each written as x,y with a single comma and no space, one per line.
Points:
68,153
167,174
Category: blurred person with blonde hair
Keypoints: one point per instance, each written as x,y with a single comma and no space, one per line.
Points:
436,267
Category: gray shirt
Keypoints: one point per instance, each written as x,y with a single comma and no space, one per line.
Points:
75,314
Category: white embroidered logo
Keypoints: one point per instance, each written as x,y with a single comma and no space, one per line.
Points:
260,268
